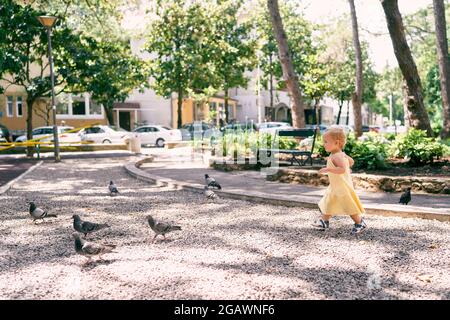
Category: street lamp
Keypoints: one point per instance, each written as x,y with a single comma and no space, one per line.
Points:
48,22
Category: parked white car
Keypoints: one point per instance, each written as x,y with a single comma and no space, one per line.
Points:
347,129
157,135
273,127
392,129
64,135
104,134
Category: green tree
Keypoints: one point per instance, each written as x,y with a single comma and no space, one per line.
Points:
338,56
304,51
234,49
97,18
107,70
179,41
23,46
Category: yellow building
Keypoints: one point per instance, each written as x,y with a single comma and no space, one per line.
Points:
213,110
77,112
73,111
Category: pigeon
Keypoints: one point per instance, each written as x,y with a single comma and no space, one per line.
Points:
406,196
37,213
209,193
90,249
112,189
160,227
211,182
86,226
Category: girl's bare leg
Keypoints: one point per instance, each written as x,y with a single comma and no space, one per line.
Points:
326,217
356,218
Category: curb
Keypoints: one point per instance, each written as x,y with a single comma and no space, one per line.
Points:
9,185
132,168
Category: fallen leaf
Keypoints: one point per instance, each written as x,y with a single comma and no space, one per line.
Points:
363,242
425,277
433,246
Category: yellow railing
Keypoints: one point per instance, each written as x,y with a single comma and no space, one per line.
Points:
37,143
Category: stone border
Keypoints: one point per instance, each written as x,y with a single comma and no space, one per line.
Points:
6,187
383,210
364,181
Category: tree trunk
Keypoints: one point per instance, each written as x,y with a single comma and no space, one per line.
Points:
109,114
357,95
348,113
179,108
417,113
317,110
298,113
227,116
341,103
30,102
405,105
443,61
271,81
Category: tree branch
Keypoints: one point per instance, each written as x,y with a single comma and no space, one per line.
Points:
377,34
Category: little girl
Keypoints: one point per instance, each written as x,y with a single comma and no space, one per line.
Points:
340,197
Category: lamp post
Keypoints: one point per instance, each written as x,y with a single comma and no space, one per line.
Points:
48,22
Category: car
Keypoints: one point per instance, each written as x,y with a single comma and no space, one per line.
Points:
273,127
104,134
157,135
5,135
199,130
45,134
347,129
394,129
243,127
322,127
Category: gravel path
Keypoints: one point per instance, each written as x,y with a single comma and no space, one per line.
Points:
227,250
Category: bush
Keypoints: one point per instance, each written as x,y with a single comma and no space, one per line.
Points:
417,147
287,143
370,154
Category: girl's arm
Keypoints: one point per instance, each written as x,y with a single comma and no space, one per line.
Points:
350,160
338,163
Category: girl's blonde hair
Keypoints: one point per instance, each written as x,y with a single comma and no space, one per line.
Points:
337,134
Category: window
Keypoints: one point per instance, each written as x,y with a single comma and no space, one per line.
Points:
167,128
47,131
94,130
94,108
19,107
141,130
37,131
79,108
62,108
9,106
153,129
230,111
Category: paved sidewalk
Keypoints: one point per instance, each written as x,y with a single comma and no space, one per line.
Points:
11,168
178,164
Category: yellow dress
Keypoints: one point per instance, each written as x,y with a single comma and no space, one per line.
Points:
340,197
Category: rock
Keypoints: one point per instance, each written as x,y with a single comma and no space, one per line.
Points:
432,187
446,189
387,184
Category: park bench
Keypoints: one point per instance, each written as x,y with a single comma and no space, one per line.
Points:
304,155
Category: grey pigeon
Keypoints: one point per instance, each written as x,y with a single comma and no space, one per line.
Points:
112,189
90,249
37,213
160,227
86,226
405,197
211,182
209,193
